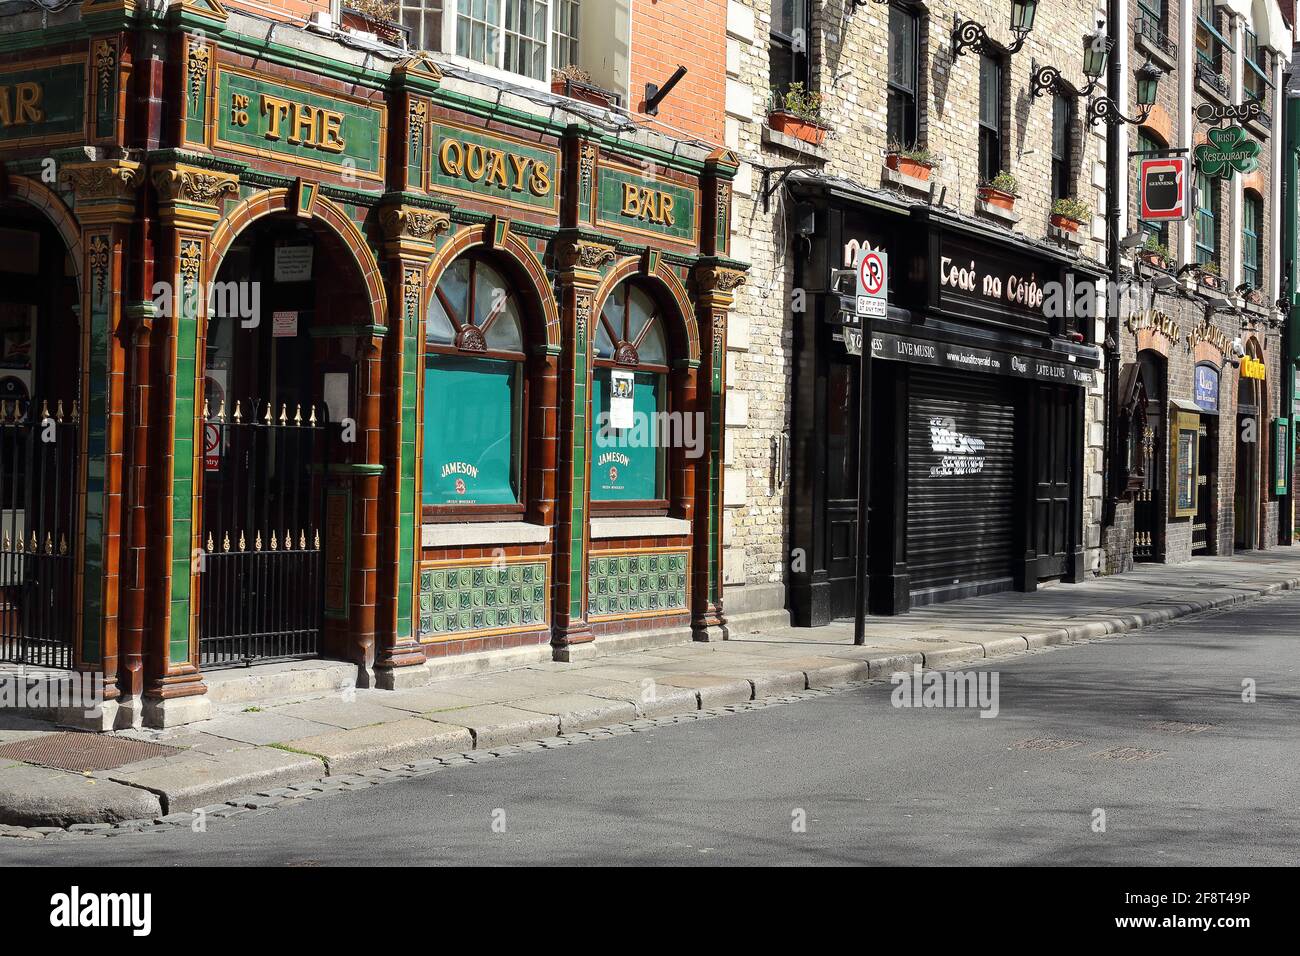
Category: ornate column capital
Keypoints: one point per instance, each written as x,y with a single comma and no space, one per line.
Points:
713,278
105,189
576,253
192,192
411,230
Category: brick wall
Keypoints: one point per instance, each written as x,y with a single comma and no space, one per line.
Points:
850,58
295,10
666,33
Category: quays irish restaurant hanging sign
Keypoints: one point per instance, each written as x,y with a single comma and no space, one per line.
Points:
1229,150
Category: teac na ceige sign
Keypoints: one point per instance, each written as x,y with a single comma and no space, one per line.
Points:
1163,183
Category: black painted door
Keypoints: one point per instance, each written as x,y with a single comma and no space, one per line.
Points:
842,433
1053,469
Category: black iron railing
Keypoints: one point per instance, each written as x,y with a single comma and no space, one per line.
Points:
38,510
1151,30
261,572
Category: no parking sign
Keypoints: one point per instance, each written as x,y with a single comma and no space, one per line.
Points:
872,270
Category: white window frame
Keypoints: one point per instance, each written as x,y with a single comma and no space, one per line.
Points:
450,17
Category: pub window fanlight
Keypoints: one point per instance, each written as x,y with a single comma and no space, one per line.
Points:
630,388
474,390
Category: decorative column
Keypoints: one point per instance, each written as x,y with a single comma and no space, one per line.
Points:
410,233
105,206
189,204
715,280
579,260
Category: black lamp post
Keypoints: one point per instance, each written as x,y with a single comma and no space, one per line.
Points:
1105,108
972,35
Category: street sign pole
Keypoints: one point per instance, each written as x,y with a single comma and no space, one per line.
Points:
872,289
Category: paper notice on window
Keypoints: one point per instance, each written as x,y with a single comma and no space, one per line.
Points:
284,325
293,263
620,399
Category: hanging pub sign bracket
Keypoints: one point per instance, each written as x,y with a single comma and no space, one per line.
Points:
782,172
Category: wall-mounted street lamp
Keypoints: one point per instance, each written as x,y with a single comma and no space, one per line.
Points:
971,35
1104,108
1096,47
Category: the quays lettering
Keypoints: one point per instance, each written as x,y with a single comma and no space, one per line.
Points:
21,104
513,172
649,205
298,124
1020,290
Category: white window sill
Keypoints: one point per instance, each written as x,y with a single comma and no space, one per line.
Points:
647,527
476,533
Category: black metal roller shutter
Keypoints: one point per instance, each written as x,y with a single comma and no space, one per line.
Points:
960,484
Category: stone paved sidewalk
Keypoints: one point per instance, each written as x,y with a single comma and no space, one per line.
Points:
251,755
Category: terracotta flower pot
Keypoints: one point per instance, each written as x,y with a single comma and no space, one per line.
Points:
996,197
908,166
801,129
1153,259
1065,222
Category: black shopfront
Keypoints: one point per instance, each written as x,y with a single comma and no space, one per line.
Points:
977,406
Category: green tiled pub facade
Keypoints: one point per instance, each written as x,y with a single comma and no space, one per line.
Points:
342,323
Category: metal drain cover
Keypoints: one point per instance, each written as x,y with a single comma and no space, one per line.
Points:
1047,744
82,752
1128,754
1182,727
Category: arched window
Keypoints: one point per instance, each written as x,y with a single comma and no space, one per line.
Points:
629,395
474,391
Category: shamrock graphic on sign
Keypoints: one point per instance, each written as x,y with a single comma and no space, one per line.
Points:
1228,149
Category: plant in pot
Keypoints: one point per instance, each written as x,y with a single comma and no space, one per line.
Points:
915,161
1155,253
575,82
797,113
1000,191
1070,214
1209,274
375,16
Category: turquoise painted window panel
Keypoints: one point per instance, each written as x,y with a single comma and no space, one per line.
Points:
472,421
626,463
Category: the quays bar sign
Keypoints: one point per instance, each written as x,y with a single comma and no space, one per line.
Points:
971,281
305,126
632,201
44,102
968,358
500,168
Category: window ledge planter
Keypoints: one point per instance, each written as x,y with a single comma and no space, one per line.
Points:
809,131
1155,260
390,31
913,168
997,198
1210,280
576,85
1066,223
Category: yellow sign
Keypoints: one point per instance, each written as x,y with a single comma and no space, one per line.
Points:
298,123
1250,368
648,205
20,104
476,163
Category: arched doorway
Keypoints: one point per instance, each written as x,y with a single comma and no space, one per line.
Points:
40,382
1251,416
1149,500
279,393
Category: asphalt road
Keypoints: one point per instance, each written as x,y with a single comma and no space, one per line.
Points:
874,783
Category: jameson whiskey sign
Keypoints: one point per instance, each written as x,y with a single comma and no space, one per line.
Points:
1228,150
501,168
306,126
